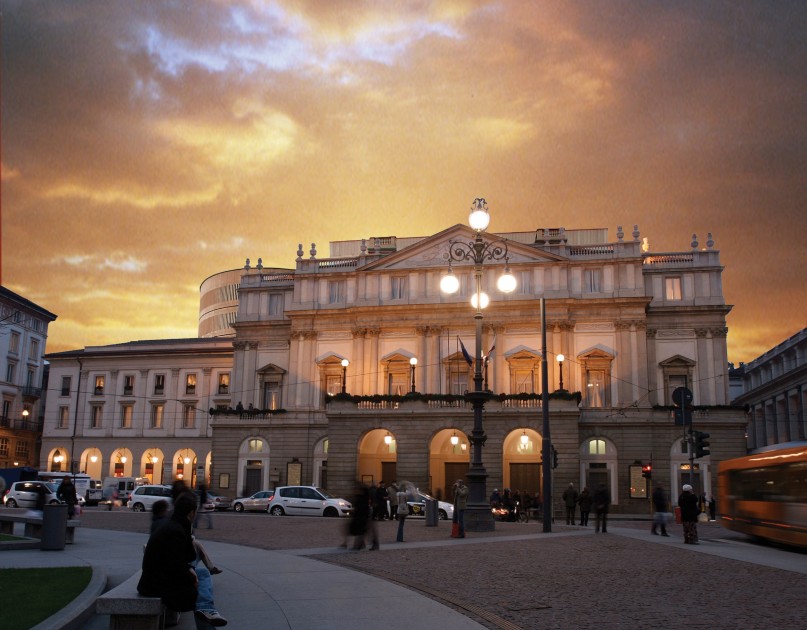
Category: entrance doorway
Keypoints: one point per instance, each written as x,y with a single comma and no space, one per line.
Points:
453,471
526,478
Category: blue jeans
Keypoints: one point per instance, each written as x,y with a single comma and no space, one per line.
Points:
459,518
204,600
401,520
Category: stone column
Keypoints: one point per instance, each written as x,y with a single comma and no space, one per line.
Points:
624,357
638,337
357,382
704,368
434,364
424,359
372,367
652,366
720,361
309,374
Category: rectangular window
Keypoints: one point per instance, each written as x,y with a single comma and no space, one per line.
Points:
336,291
190,384
159,384
97,416
99,385
67,381
458,381
64,417
10,370
6,409
33,355
14,343
596,388
271,395
333,384
398,384
21,450
525,381
36,325
29,378
224,383
672,288
592,280
126,416
398,287
157,416
188,416
275,304
525,282
4,447
128,384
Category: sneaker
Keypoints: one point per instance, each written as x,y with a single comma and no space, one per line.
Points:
212,617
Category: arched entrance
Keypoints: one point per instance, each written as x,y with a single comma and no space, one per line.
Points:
253,467
321,463
91,462
378,457
521,461
152,465
449,457
185,466
120,464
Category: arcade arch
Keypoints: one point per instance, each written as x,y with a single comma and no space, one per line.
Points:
449,459
378,457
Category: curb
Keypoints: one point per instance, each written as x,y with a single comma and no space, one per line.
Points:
75,614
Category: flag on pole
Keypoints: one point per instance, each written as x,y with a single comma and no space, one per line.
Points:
492,348
465,352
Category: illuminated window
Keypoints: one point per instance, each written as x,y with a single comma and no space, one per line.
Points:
224,383
22,449
4,447
159,384
271,395
99,384
190,384
255,445
596,447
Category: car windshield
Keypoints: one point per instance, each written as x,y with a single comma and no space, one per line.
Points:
51,486
324,493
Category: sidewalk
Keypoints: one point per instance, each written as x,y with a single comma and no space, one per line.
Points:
258,589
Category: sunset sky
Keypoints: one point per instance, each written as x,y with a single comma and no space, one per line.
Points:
147,145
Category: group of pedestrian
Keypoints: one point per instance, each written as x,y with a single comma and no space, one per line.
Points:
600,500
171,562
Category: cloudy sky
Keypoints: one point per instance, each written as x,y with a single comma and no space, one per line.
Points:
148,145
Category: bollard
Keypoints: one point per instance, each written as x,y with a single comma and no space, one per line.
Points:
54,527
431,513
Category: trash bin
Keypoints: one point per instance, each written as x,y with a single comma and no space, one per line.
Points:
431,513
677,514
54,526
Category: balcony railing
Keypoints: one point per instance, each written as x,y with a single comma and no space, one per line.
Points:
32,392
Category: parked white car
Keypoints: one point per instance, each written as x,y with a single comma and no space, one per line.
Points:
258,502
143,498
307,501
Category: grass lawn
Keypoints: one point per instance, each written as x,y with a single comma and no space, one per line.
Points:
40,593
7,537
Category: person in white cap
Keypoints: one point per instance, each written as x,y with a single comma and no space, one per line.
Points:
688,503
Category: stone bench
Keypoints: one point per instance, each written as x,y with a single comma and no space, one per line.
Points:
33,526
129,610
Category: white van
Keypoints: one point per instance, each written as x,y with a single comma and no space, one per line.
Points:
84,485
121,488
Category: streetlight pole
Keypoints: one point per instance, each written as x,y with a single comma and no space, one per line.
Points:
345,363
560,358
413,362
546,440
478,517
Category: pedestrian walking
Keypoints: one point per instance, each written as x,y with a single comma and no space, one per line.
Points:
402,511
688,503
602,499
584,501
380,502
460,502
362,520
712,508
660,510
392,493
203,511
570,496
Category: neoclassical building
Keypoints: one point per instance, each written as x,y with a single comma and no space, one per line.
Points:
775,392
371,321
355,366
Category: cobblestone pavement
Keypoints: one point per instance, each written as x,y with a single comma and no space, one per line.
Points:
575,581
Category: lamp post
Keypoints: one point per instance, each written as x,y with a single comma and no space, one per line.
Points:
345,363
478,517
412,363
546,440
561,358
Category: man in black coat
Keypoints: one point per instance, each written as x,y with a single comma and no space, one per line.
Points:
166,563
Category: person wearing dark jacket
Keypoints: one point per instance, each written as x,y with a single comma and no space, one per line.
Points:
659,498
166,563
688,503
602,499
585,500
67,493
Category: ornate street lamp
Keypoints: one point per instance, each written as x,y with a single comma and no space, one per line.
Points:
413,362
345,363
478,517
561,358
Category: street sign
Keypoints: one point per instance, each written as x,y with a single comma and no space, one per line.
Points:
682,397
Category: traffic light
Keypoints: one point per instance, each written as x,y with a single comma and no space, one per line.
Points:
647,471
554,457
701,444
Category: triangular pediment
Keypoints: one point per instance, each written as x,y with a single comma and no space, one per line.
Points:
271,368
677,361
432,252
397,355
522,352
329,358
597,352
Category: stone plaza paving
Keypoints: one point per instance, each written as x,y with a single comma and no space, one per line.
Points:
519,577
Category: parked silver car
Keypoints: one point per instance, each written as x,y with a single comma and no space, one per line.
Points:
25,494
215,502
307,501
258,502
143,498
